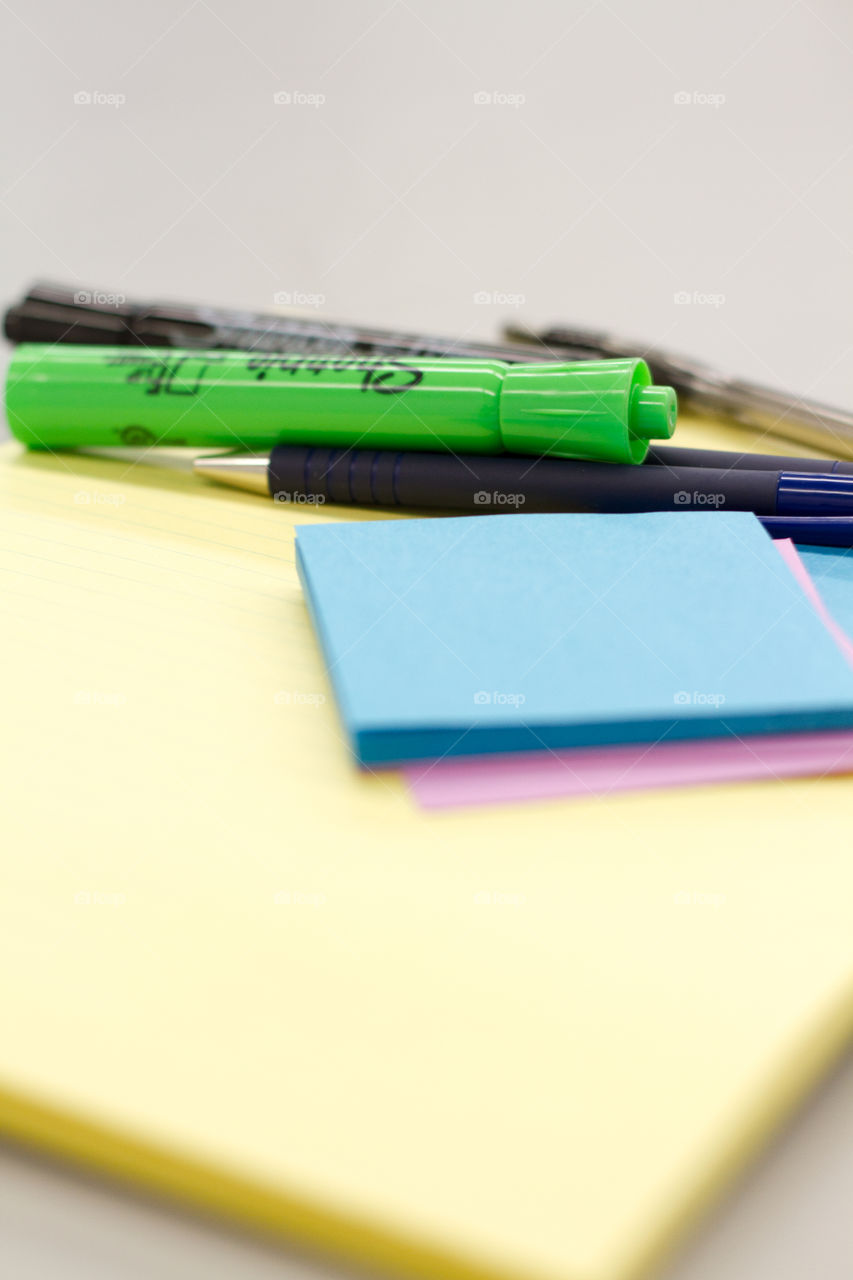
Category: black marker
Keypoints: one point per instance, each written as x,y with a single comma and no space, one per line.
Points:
56,313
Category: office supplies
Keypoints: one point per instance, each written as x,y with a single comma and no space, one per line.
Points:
604,771
801,569
540,632
704,390
831,571
66,396
723,459
827,531
487,485
528,1044
59,313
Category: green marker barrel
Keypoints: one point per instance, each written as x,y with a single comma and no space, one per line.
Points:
65,396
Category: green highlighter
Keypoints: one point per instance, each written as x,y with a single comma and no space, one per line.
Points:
66,396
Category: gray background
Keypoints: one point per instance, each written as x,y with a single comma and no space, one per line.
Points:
679,172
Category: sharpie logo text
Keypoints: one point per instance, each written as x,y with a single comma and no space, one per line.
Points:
190,375
385,377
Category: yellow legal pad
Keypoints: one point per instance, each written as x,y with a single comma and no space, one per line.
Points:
523,1043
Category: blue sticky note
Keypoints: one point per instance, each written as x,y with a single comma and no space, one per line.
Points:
831,570
525,632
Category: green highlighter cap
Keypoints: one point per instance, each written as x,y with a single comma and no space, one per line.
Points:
69,396
606,410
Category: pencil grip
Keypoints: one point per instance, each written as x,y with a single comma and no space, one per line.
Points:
382,477
386,477
302,473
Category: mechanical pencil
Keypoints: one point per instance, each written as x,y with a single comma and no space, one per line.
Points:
78,396
477,484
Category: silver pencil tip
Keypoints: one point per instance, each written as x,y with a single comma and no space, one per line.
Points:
240,471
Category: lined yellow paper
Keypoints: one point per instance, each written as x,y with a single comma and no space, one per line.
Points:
528,1044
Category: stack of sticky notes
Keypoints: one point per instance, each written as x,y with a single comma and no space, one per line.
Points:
506,634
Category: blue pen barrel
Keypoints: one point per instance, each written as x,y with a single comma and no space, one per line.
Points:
813,495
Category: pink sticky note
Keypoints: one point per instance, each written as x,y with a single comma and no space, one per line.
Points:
791,556
604,770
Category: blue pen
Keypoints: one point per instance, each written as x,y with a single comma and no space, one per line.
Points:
820,531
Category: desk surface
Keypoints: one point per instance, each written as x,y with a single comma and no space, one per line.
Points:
651,173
